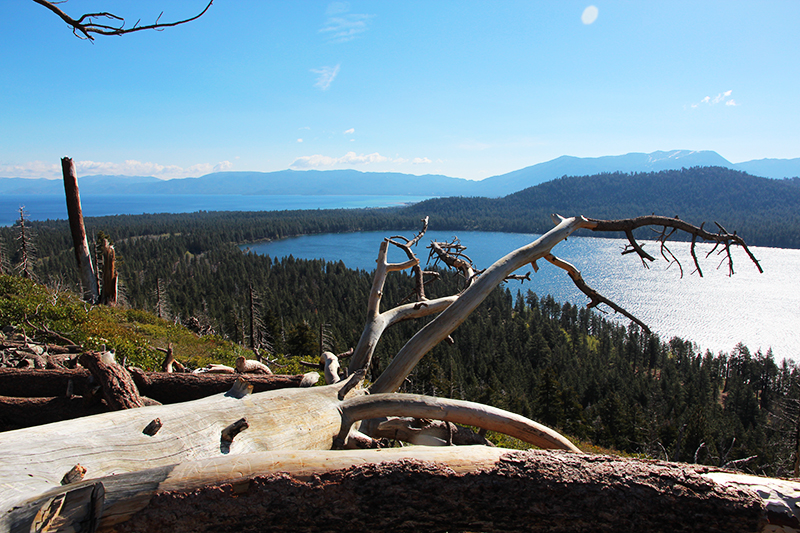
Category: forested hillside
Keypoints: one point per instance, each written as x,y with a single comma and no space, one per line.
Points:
763,210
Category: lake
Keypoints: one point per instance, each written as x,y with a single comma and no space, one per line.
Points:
54,207
715,311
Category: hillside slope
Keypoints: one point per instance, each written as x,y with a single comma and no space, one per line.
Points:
763,210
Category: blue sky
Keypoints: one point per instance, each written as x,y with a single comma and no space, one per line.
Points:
461,88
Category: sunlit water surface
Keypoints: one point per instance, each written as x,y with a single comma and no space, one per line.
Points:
715,311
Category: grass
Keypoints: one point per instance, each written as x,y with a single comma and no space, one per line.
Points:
135,335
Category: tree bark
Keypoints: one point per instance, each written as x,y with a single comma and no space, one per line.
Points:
29,383
119,390
85,269
472,488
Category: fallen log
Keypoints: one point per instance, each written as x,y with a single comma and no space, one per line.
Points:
30,383
175,388
118,389
161,386
316,418
18,413
472,488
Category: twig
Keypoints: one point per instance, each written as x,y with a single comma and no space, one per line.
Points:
90,26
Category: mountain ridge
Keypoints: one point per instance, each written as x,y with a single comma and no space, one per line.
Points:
355,182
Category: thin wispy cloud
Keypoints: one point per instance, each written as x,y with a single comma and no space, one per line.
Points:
325,77
341,26
349,132
131,167
350,159
720,98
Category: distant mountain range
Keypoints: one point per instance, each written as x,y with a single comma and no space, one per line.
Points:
353,182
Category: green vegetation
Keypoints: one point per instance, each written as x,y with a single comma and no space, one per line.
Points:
133,334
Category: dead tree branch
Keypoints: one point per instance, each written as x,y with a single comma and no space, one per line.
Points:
87,24
595,297
450,318
377,321
722,238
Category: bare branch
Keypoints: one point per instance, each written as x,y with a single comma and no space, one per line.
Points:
457,411
627,225
595,297
457,312
451,254
378,321
86,25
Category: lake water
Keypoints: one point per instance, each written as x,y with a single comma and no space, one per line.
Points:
54,207
715,311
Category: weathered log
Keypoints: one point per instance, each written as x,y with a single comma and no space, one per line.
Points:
472,488
313,418
176,388
160,386
26,383
18,413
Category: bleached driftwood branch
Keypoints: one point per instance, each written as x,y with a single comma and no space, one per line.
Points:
377,321
480,287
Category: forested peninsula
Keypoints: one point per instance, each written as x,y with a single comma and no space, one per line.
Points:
599,382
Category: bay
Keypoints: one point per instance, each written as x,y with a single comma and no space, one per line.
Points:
715,311
53,206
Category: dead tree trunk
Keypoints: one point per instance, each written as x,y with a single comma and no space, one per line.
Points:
82,256
110,281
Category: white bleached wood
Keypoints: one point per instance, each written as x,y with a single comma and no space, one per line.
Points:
330,364
35,459
457,312
456,411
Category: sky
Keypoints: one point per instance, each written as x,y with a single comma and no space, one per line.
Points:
467,89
